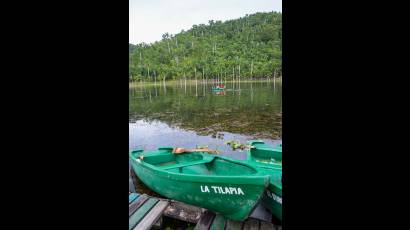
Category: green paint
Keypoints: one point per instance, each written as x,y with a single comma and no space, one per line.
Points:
209,181
265,155
257,156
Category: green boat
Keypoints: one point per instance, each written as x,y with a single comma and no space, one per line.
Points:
269,160
272,198
218,88
263,154
222,185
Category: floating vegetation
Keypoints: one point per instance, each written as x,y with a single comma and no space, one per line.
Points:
237,145
218,135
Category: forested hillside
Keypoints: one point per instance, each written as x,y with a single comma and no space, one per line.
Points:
248,47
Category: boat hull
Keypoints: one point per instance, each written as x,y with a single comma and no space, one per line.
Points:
262,154
234,197
259,156
272,198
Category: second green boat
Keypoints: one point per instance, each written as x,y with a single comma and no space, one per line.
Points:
268,160
229,187
262,154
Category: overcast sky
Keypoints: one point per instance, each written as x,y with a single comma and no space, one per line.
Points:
149,19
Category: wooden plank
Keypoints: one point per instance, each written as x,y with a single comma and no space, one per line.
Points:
152,216
131,178
141,212
233,225
131,186
251,224
205,222
181,211
137,203
267,225
132,197
218,223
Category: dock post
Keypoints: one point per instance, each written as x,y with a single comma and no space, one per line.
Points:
131,182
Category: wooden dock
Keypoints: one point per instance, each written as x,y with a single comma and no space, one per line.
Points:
212,221
146,212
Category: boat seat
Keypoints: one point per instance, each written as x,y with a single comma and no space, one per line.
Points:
166,167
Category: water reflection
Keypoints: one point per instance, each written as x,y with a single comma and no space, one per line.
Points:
254,110
190,115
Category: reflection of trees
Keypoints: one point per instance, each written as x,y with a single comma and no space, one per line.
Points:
256,113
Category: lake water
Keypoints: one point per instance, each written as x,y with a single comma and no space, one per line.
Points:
193,115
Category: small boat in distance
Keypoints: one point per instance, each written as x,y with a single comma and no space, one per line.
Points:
218,87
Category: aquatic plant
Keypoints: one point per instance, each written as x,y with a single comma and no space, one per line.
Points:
237,145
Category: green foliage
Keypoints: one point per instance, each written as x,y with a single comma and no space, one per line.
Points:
247,47
237,145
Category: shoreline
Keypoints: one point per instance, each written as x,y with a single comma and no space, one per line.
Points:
200,82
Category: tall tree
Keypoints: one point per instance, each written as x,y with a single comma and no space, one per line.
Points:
253,42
